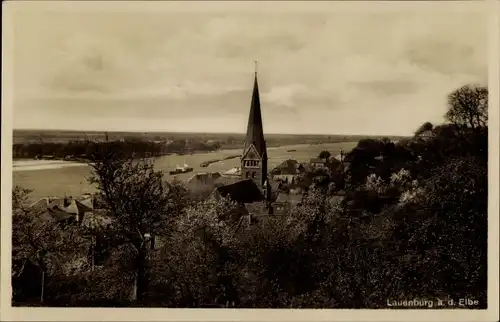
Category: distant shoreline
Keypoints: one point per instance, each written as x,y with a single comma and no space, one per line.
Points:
20,164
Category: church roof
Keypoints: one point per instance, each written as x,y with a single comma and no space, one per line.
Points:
255,131
245,191
226,180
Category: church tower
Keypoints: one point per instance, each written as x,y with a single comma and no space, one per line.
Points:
254,157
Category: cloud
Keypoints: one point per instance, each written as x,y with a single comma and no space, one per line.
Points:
285,95
388,87
311,65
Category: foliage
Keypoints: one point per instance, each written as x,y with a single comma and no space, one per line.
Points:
135,194
194,265
38,241
324,155
139,201
468,106
132,147
427,126
19,198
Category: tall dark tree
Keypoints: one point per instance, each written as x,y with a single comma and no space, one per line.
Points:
141,203
468,106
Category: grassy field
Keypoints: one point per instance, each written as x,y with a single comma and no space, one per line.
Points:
72,181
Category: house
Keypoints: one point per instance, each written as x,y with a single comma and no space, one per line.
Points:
71,206
42,203
317,163
89,200
56,215
426,135
63,209
202,178
287,171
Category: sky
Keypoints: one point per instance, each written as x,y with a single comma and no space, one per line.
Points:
330,69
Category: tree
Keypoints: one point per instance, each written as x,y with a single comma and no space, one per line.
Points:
19,198
140,203
39,240
194,266
468,106
427,126
324,155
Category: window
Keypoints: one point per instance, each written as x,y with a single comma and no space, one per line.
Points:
251,163
253,174
247,174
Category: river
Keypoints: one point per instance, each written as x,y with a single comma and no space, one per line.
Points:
56,178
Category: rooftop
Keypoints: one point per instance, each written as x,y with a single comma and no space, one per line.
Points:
204,178
317,160
244,191
227,180
288,167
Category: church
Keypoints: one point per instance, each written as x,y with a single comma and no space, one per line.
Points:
253,188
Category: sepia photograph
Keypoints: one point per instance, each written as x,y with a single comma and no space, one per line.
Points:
274,155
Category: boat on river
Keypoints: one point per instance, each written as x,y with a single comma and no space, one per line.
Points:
184,169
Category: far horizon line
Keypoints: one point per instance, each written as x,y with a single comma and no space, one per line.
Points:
208,132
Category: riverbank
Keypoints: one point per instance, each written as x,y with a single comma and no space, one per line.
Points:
34,165
60,178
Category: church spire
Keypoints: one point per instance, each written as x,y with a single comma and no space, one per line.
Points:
255,132
254,157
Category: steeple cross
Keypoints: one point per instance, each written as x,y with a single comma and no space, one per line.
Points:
255,62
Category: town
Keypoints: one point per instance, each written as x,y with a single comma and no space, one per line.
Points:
249,156
230,211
